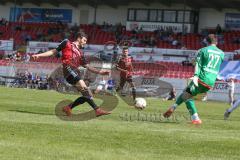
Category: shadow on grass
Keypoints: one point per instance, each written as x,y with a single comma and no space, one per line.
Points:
109,104
30,112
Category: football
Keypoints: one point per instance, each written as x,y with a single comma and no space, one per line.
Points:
140,103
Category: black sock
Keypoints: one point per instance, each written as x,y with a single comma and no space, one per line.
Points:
134,93
91,103
79,100
82,100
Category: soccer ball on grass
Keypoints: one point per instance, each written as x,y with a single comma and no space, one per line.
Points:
140,103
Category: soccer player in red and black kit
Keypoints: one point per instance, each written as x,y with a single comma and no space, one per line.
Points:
73,57
125,67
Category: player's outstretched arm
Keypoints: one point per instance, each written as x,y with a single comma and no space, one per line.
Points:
45,54
94,70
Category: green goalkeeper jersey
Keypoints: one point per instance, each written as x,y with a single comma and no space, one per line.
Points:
208,63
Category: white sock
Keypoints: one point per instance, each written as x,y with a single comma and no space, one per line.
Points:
234,106
174,106
195,116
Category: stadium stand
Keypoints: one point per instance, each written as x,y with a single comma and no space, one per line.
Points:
22,32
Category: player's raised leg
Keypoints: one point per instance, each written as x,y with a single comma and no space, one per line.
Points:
86,97
186,96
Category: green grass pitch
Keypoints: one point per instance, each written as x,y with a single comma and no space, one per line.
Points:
29,130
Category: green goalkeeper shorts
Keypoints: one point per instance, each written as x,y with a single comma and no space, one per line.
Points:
194,90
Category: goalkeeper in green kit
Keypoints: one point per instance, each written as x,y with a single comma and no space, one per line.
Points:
208,63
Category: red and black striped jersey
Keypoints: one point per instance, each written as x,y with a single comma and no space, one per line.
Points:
71,54
126,64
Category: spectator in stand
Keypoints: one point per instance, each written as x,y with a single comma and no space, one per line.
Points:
134,39
29,79
39,34
236,40
37,81
15,56
152,41
118,33
22,80
104,26
204,42
18,28
50,82
218,29
157,31
175,42
170,39
169,31
74,28
111,86
140,30
204,32
145,40
102,85
3,22
150,60
26,57
183,47
171,95
18,56
25,36
25,79
66,34
34,80
43,84
135,30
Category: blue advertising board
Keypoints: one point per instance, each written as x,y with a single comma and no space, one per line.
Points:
40,15
232,21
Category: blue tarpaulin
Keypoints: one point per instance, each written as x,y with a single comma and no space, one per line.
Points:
229,69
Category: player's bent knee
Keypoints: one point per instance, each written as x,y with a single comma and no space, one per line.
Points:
186,95
86,92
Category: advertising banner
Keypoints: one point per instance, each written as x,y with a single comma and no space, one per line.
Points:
151,26
6,45
40,15
232,21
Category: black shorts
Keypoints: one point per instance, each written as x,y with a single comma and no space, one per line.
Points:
129,79
71,74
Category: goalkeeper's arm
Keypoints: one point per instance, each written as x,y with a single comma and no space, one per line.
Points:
197,68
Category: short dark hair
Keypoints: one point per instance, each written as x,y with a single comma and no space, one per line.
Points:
80,35
125,48
211,38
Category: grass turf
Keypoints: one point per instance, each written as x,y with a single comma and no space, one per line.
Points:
30,130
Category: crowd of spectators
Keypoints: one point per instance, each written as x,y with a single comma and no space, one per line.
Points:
17,56
35,81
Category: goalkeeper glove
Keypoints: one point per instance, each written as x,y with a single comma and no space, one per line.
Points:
195,80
